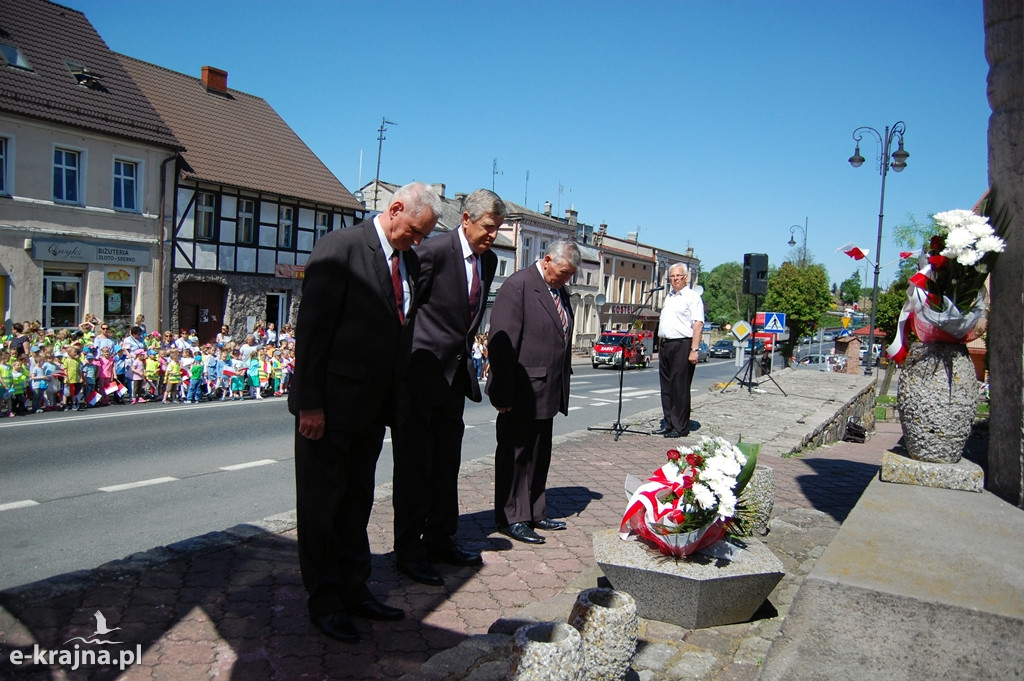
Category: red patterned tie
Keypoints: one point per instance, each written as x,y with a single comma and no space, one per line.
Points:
474,287
561,311
396,283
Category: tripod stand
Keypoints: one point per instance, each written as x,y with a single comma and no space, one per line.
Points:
748,368
617,427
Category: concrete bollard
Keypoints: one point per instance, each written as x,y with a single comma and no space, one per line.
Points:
546,651
606,620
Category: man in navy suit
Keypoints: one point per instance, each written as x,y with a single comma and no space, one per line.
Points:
357,294
456,271
530,351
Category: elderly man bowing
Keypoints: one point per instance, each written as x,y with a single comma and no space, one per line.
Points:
358,288
456,271
530,352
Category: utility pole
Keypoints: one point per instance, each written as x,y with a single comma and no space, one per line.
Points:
384,123
494,172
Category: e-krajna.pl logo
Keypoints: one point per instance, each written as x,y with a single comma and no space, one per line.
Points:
82,654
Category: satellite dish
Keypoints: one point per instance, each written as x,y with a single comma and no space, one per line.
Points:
600,299
359,195
698,289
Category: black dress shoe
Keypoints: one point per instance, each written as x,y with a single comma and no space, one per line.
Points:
338,626
372,609
522,532
420,571
675,433
548,524
452,554
660,431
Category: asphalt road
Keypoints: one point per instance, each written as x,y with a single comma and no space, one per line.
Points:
80,489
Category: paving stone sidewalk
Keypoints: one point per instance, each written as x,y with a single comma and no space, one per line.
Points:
231,605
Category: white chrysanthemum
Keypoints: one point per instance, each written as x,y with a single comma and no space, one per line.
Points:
990,244
957,241
727,505
968,257
703,495
953,218
979,227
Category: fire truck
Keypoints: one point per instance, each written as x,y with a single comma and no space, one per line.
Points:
613,348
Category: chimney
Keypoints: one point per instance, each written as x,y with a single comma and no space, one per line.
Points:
689,251
632,236
215,79
547,208
602,228
438,189
570,216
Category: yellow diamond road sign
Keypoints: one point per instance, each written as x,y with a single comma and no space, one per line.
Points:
741,330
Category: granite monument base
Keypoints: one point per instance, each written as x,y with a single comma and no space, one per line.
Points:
962,475
693,592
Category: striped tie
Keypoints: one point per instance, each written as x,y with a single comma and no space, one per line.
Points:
561,311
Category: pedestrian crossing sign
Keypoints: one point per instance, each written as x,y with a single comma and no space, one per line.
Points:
775,322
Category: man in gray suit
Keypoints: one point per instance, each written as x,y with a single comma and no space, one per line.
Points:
456,271
530,352
358,292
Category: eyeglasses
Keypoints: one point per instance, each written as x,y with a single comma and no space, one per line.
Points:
104,328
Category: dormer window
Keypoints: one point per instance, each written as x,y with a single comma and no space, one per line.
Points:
14,56
85,76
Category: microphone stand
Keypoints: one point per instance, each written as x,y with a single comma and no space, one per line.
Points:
617,427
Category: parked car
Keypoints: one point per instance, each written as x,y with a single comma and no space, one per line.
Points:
758,346
723,348
820,362
703,352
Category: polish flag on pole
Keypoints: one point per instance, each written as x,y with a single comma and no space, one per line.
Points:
906,254
94,398
851,250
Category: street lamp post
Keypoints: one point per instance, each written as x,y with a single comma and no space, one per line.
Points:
792,242
898,163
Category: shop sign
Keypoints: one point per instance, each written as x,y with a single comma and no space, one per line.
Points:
63,250
118,276
289,271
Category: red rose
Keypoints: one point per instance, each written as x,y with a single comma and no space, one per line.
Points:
937,261
695,460
673,455
937,243
688,481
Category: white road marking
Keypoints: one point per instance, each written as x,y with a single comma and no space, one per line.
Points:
18,504
605,390
133,485
248,464
574,408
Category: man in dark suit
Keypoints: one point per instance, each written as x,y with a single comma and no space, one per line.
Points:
456,271
530,351
357,295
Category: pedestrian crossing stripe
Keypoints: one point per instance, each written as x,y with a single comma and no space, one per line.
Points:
774,322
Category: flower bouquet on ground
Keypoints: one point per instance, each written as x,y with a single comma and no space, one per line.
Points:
689,503
946,298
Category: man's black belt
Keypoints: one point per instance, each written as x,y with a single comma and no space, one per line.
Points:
675,340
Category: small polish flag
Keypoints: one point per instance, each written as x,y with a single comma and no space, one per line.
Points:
851,250
121,390
228,371
112,388
94,398
906,254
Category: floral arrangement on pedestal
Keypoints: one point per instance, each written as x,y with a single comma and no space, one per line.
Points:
946,298
689,503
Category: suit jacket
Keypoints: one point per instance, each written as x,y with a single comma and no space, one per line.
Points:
349,343
530,356
443,331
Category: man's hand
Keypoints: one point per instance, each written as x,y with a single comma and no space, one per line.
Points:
311,423
503,410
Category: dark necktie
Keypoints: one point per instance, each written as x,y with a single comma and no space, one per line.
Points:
396,283
474,287
561,311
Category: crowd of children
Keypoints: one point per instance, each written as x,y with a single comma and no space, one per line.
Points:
46,370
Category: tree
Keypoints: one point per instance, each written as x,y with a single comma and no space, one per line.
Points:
724,300
850,289
803,294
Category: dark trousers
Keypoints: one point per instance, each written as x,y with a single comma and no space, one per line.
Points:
521,462
334,481
427,445
676,374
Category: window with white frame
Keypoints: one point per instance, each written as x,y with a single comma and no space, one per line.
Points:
204,215
126,175
62,299
285,226
3,166
323,225
524,259
245,229
66,166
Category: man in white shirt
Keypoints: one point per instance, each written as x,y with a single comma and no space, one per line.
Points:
682,319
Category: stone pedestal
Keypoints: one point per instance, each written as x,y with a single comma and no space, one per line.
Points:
963,475
692,592
606,619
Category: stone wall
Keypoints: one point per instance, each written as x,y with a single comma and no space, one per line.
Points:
1004,49
247,296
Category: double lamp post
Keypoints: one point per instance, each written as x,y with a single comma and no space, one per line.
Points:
897,163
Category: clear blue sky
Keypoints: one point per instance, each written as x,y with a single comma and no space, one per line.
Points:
713,124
